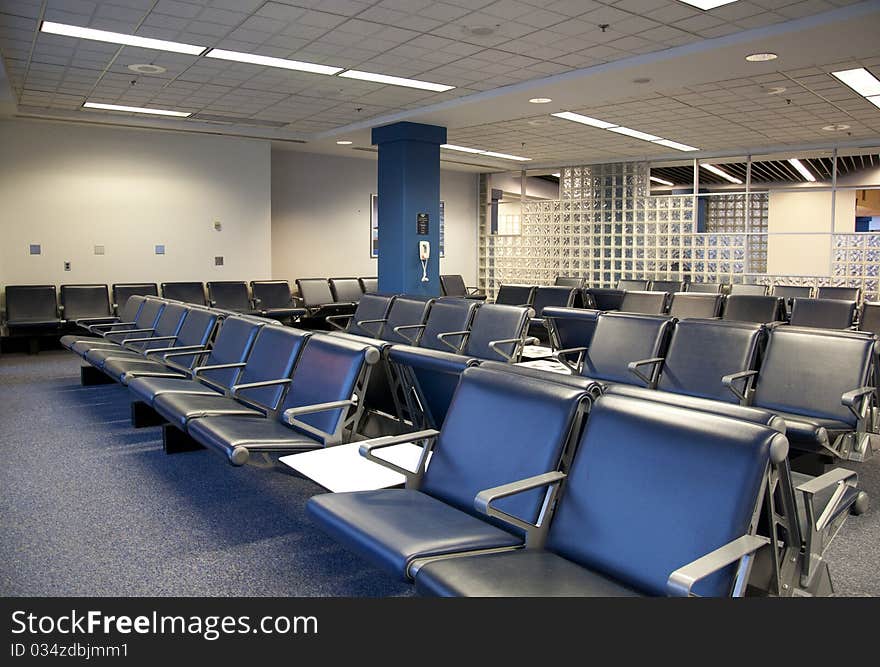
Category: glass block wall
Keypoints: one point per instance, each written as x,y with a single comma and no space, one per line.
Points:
727,214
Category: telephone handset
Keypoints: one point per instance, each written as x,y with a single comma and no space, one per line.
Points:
424,256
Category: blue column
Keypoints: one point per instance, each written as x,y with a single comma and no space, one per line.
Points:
409,185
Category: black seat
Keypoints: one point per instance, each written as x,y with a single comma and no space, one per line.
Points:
122,292
501,427
368,318
570,329
748,289
275,301
549,297
345,290
453,285
603,299
823,313
695,304
515,295
619,340
791,292
842,293
870,317
369,285
140,315
318,300
666,286
569,281
648,303
754,308
596,541
232,296
705,288
445,315
633,285
31,309
86,304
185,292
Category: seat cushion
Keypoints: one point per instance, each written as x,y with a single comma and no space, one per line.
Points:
180,408
283,312
811,433
520,573
391,527
227,432
118,366
146,389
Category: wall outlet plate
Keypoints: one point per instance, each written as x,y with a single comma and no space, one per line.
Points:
218,261
67,266
218,225
99,250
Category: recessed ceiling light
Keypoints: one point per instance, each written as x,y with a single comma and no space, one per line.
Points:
344,142
266,61
761,57
478,30
802,170
775,90
661,181
540,100
706,5
119,107
539,121
120,38
147,69
585,120
723,174
395,81
674,144
480,151
860,80
634,133
557,174
875,100
836,127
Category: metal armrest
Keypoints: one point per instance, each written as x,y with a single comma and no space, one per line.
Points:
494,345
198,370
560,356
291,414
151,339
856,400
331,320
110,325
749,377
535,532
398,331
236,388
455,348
178,348
361,324
842,499
84,321
413,477
656,364
683,579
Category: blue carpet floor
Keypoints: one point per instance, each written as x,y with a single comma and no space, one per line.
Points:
91,506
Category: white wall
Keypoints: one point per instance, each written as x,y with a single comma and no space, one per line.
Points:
321,217
70,187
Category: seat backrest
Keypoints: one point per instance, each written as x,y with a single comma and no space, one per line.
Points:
405,311
701,352
453,285
556,296
823,313
84,301
691,304
123,291
870,317
666,286
230,295
571,327
328,370
197,327
633,285
806,372
620,338
605,299
168,324
447,315
748,289
369,285
683,511
314,291
148,315
31,302
494,322
186,292
753,308
569,281
129,311
346,290
710,288
649,303
370,307
500,427
843,293
272,293
792,291
231,346
272,357
515,295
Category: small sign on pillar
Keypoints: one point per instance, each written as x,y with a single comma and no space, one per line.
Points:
422,224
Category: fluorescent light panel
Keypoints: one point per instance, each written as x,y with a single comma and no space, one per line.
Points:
267,61
584,120
797,164
723,174
119,107
479,151
395,81
875,100
119,38
661,181
860,80
706,5
644,136
604,125
676,145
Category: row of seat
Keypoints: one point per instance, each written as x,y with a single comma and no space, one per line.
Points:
235,383
784,291
536,488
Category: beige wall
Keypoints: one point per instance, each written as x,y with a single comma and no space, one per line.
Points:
321,217
71,187
800,225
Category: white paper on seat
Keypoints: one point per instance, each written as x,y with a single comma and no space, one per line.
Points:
550,365
536,351
341,468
